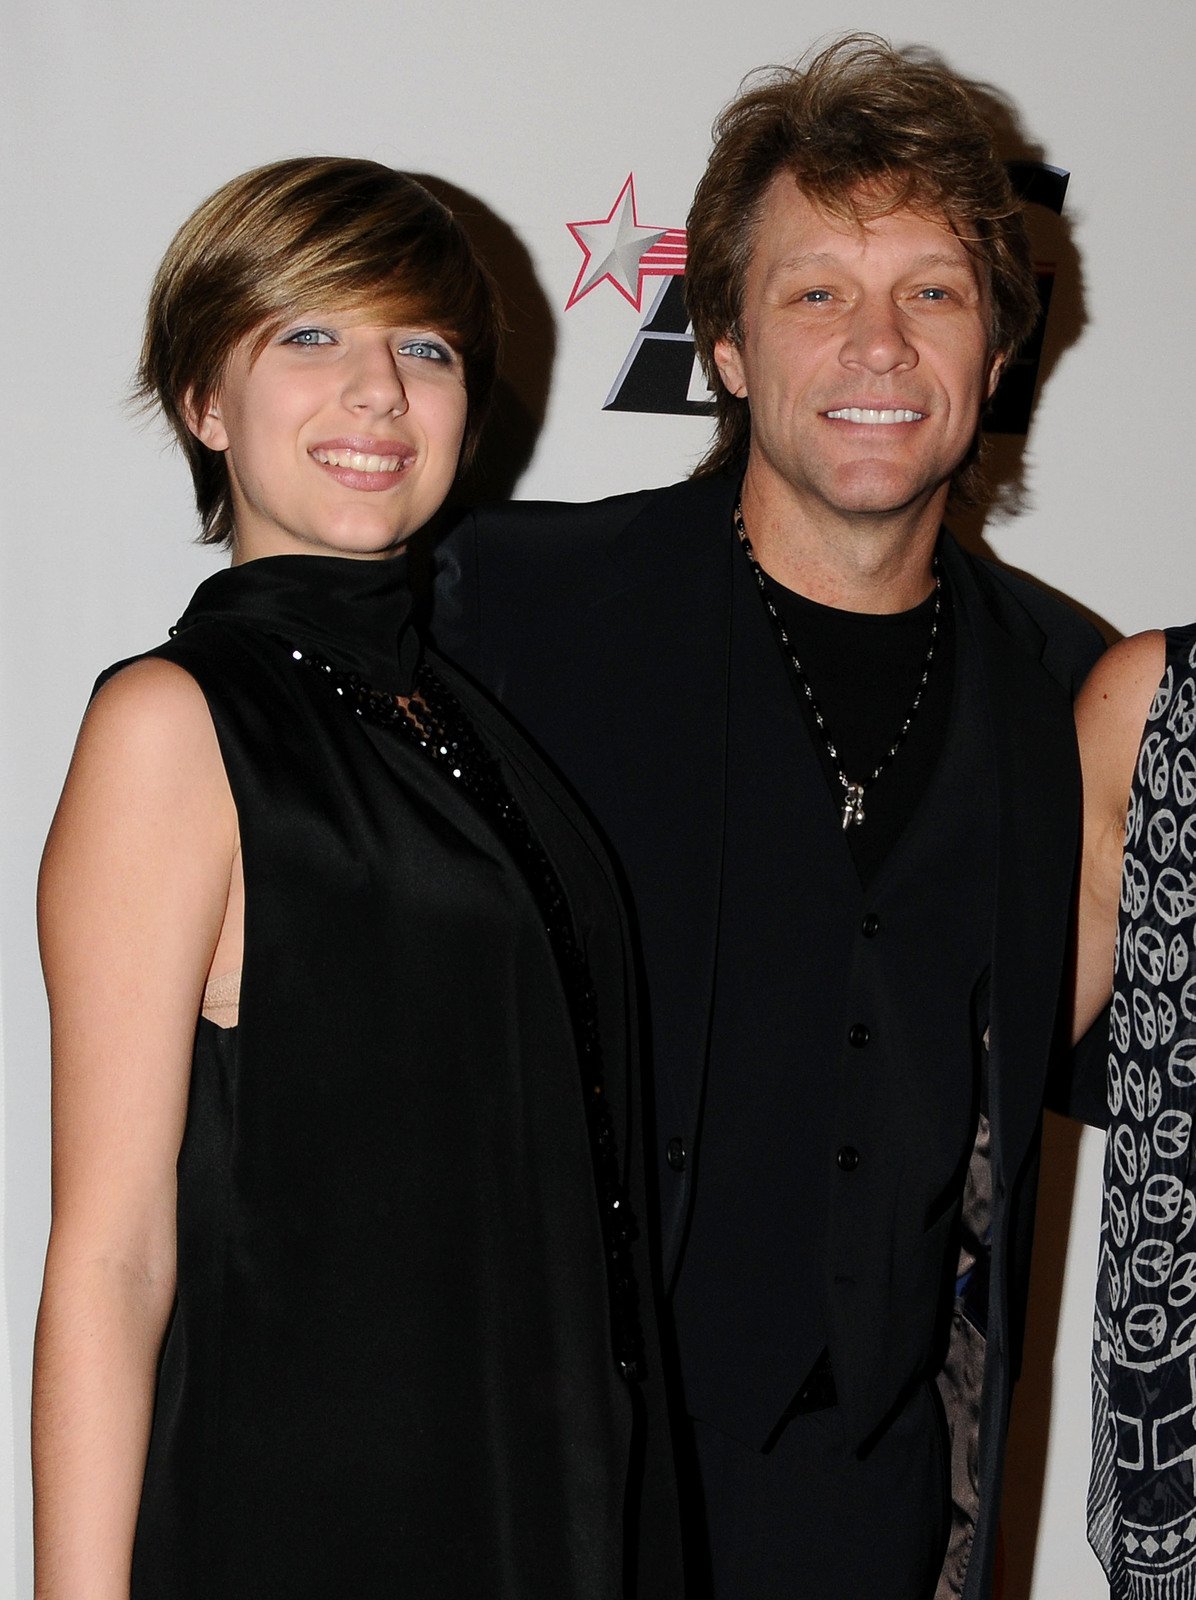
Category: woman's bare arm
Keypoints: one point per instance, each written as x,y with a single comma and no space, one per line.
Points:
132,897
1111,712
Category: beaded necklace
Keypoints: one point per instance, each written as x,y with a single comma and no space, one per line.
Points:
853,793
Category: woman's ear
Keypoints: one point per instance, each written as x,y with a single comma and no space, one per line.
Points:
205,422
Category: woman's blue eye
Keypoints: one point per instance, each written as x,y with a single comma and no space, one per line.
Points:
426,350
308,337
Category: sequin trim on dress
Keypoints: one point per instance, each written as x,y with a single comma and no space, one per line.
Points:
435,722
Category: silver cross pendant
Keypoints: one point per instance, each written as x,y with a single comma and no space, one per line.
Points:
853,805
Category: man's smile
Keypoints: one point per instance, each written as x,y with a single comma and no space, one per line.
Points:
866,414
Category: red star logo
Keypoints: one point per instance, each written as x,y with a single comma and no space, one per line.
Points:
621,251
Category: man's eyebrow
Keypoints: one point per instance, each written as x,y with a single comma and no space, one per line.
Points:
799,263
940,260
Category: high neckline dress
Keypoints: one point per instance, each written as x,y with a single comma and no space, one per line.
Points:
406,1307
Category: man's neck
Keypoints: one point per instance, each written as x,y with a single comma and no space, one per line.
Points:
877,562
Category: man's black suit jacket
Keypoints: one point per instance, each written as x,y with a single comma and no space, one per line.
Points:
604,630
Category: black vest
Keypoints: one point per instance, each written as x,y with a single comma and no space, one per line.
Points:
843,1081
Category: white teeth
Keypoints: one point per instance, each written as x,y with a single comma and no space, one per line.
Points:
357,461
860,414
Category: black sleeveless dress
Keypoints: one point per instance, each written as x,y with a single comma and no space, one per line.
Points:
405,1288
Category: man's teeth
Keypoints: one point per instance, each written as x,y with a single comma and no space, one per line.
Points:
866,414
359,462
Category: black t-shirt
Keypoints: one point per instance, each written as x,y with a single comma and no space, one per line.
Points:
864,671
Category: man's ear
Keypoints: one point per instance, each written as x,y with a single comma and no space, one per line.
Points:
206,424
728,358
996,367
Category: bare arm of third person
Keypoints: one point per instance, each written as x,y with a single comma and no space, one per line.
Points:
1111,712
134,887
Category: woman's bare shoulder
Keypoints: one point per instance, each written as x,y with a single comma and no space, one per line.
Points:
147,689
146,753
1127,675
152,717
1111,712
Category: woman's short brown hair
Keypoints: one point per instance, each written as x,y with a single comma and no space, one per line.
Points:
313,232
863,130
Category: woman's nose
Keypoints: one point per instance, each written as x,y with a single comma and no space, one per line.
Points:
374,384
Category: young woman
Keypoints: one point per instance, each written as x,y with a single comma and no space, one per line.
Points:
340,1296
1136,718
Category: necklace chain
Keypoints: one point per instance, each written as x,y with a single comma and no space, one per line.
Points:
853,793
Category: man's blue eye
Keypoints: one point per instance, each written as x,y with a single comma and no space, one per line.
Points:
308,337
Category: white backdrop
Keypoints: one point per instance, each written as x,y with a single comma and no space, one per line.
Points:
118,116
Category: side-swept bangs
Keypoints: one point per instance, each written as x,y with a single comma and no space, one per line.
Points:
292,238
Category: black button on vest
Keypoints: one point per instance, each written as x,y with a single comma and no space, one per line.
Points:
870,926
858,1035
848,1158
675,1154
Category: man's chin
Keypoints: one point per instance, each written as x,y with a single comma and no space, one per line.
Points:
879,491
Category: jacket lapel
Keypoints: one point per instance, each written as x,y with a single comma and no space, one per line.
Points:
1038,808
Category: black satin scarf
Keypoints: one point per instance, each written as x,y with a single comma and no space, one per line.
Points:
356,612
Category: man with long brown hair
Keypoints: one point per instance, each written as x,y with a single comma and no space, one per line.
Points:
834,755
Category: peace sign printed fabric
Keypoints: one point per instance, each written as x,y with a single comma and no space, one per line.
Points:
1142,1497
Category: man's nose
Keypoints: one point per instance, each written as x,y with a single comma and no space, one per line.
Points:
877,338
